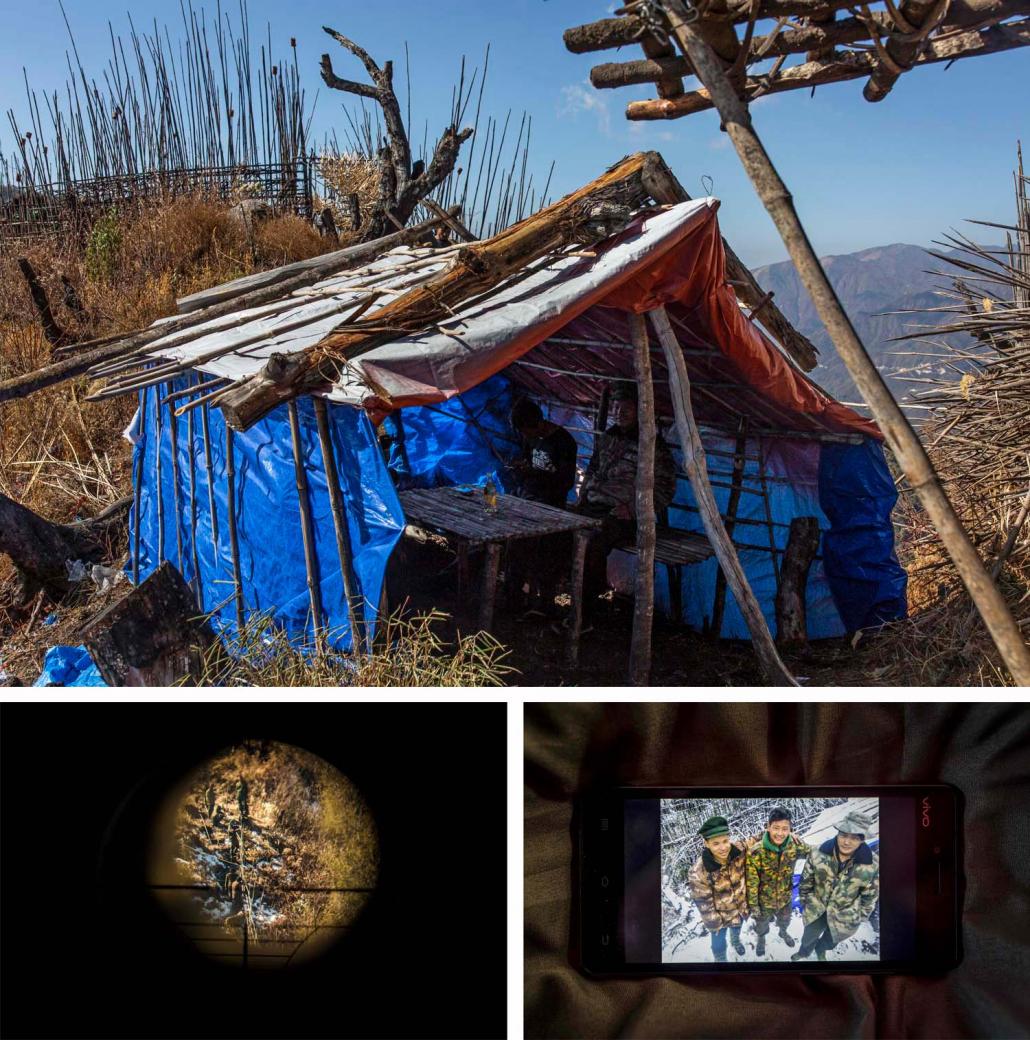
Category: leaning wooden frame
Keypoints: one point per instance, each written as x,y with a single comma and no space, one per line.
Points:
906,36
435,287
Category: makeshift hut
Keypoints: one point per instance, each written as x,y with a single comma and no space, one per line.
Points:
295,512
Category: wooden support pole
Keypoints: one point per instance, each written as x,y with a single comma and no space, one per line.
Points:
173,432
158,437
307,530
579,552
791,610
488,589
234,538
697,473
736,484
355,609
900,436
194,553
137,490
643,599
205,426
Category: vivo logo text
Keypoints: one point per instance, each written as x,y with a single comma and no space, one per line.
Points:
926,812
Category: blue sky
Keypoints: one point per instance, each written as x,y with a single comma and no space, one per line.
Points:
939,149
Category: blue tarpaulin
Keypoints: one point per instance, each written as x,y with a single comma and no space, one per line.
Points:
857,494
855,580
463,440
271,558
69,666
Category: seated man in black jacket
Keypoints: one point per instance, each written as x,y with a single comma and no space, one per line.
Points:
546,472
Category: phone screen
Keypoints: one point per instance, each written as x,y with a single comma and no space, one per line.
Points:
861,879
769,879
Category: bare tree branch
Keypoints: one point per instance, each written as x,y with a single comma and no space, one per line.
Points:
402,185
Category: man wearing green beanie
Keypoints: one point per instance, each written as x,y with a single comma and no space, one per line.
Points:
770,877
717,886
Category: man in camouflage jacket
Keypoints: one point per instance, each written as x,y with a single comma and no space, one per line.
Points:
609,488
717,887
770,877
839,887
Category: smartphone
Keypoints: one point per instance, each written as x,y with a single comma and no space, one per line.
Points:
769,879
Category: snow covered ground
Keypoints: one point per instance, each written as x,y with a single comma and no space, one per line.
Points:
686,940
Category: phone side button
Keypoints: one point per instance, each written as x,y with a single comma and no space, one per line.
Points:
940,880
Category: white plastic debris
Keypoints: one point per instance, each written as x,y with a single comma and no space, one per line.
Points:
78,570
105,577
133,431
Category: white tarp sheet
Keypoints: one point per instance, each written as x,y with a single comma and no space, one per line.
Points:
434,361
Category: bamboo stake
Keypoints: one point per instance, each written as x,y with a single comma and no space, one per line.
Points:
157,477
205,427
234,538
306,529
194,555
643,600
173,431
694,462
900,436
137,490
343,542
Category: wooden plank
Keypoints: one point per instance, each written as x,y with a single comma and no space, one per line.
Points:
643,599
489,587
151,637
694,457
464,514
791,613
327,263
579,549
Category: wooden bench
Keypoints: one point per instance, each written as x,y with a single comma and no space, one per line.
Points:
676,549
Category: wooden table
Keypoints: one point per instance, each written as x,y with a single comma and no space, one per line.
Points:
462,514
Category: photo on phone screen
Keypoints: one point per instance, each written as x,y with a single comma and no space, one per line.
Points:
763,879
770,879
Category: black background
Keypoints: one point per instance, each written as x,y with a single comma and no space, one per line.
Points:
86,954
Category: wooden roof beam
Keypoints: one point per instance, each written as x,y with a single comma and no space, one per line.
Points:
810,39
845,66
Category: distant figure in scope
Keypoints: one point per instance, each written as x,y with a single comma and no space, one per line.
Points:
770,877
609,489
545,472
718,887
839,887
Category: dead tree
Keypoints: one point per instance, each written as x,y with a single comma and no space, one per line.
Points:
402,184
39,548
54,333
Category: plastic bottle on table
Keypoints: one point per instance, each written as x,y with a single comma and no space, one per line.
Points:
490,495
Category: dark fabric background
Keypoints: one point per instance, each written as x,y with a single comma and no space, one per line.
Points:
983,749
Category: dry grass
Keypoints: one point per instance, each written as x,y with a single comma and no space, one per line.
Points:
407,652
348,174
66,459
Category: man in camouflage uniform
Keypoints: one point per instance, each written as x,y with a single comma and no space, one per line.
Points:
839,887
770,877
609,488
717,886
